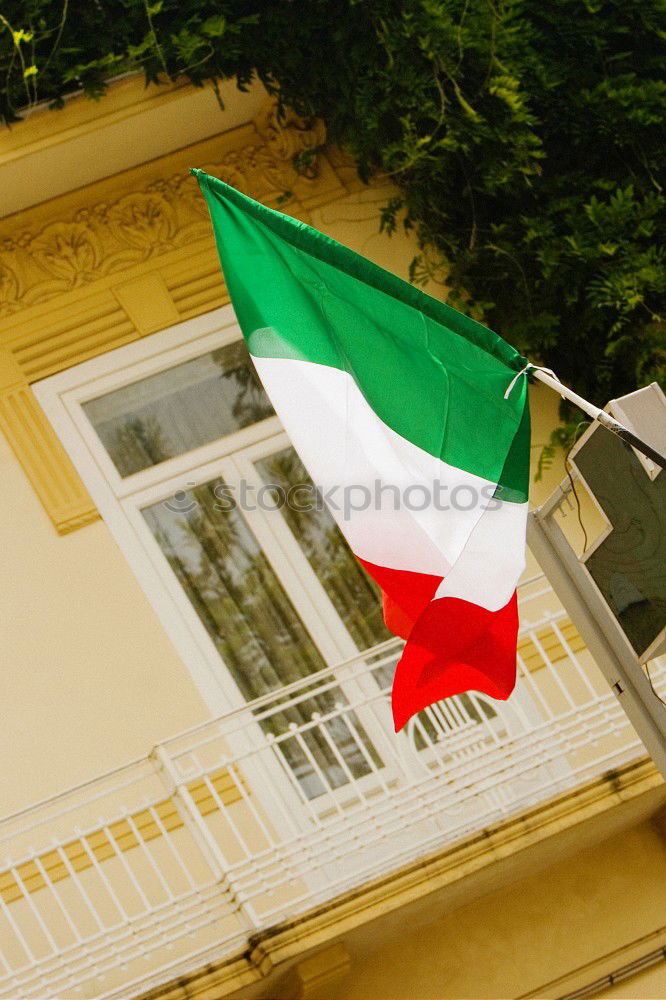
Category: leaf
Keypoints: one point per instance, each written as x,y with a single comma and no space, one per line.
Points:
21,36
464,104
215,26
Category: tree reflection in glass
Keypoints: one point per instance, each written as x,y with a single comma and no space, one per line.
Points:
355,596
180,408
253,624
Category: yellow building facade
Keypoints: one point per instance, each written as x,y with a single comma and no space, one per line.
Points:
167,833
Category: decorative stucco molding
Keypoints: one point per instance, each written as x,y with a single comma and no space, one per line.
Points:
44,460
100,267
274,159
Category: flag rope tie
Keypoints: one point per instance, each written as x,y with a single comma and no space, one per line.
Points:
525,371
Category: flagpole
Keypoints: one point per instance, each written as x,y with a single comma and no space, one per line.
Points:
600,416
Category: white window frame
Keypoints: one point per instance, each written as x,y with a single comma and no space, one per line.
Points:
61,397
120,500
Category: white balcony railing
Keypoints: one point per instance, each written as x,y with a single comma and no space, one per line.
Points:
159,866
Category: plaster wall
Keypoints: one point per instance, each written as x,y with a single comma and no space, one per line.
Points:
518,938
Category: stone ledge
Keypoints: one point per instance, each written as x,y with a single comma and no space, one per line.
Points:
272,953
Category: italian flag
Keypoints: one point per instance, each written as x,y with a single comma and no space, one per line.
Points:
400,409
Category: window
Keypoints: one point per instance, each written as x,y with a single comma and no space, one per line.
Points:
175,438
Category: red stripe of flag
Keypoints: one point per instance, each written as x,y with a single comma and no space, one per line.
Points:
452,646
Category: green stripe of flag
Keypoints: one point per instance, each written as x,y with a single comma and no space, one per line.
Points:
435,376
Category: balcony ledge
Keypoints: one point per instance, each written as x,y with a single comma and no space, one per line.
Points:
495,856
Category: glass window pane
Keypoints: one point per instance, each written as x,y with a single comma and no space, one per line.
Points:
355,596
253,624
179,409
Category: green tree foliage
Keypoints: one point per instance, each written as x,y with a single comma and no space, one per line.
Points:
525,138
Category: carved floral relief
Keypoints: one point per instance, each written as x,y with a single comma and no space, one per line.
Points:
144,221
68,251
9,290
168,213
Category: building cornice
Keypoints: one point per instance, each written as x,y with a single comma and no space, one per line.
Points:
51,152
60,247
41,128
